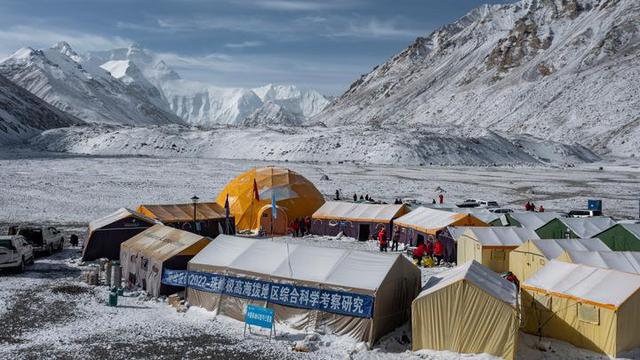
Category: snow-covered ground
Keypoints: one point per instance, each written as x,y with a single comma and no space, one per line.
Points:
77,189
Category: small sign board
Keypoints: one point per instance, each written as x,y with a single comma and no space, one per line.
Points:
259,316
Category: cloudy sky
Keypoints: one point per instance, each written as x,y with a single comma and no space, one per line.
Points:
324,44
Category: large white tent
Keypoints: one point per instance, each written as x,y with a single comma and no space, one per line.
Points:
387,283
627,261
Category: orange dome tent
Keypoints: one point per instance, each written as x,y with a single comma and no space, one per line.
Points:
296,197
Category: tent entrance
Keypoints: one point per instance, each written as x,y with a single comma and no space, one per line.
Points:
271,225
363,232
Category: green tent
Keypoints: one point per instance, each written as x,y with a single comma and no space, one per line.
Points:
530,220
622,237
574,228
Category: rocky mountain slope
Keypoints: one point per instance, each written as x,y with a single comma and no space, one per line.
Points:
23,115
564,70
57,76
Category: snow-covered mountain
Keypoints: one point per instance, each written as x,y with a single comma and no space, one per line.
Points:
564,70
57,76
23,115
206,105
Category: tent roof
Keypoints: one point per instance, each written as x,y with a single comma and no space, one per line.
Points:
163,242
588,227
482,214
339,267
633,229
427,219
533,220
500,235
627,261
341,210
183,212
117,215
477,274
609,288
456,232
552,248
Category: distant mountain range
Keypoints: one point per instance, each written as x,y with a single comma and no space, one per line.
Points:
131,86
537,81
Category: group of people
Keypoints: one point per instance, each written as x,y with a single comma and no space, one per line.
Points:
301,227
530,206
429,249
383,241
362,198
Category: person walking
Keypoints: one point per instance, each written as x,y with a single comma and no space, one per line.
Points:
395,238
303,228
355,197
296,227
441,198
438,251
541,208
307,224
382,240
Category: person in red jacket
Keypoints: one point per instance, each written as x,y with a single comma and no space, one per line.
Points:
295,227
382,239
307,225
418,253
438,251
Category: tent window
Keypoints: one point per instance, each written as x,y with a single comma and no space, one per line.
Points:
542,262
498,255
477,246
589,314
543,299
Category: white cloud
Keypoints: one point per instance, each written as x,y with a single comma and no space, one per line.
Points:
16,37
301,5
376,28
244,44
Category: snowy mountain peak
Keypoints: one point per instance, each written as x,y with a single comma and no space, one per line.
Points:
163,72
553,69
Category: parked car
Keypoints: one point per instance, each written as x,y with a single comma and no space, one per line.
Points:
501,210
469,203
43,239
488,204
584,213
15,252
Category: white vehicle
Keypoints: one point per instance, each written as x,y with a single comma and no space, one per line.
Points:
43,239
488,204
15,252
500,210
584,213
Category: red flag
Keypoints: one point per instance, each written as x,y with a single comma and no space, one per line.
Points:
256,194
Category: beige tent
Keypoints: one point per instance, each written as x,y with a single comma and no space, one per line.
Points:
145,256
533,255
592,308
627,261
360,294
491,246
468,309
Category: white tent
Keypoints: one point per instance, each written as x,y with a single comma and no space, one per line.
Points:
390,281
533,220
491,246
468,309
627,261
342,210
588,227
552,248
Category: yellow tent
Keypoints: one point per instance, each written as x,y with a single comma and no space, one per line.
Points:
533,255
296,197
491,246
468,309
592,308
